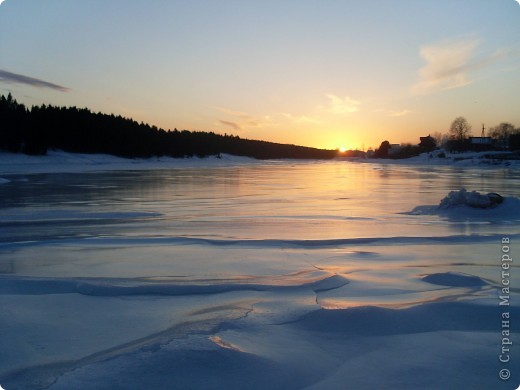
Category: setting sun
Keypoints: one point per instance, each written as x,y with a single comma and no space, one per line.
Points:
342,149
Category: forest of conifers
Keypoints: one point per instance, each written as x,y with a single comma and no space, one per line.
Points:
78,130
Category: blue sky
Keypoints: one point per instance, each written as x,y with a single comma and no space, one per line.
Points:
325,73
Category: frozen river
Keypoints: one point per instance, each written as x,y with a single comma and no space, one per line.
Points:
257,274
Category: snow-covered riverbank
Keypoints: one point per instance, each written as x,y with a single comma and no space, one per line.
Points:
63,162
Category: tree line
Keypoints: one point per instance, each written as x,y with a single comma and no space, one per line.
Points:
78,130
501,137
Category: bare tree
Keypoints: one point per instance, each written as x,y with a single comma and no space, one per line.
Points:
501,134
460,129
502,131
440,138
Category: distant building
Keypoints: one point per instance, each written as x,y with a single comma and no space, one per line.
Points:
394,149
481,140
427,139
481,144
427,143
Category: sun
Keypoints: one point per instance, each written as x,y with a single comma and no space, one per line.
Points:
342,149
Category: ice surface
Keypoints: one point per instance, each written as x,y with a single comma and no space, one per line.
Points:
233,273
454,280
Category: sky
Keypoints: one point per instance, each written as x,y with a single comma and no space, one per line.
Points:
321,73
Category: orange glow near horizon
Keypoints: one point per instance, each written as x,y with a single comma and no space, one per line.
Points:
327,93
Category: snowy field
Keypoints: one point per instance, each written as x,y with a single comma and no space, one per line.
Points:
233,273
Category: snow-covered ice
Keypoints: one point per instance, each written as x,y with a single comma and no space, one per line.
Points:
57,161
235,273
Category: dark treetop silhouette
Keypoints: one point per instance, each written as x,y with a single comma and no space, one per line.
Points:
72,129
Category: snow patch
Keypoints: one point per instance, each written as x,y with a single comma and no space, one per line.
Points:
473,205
471,199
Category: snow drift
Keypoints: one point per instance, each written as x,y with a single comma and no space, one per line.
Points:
471,199
465,204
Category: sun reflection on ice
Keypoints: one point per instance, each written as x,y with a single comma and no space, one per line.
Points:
224,344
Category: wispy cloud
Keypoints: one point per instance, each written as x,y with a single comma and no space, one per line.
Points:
399,113
342,106
234,125
302,118
239,120
450,63
320,114
393,113
446,65
9,77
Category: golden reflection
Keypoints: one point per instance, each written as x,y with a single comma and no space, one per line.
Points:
224,344
402,301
